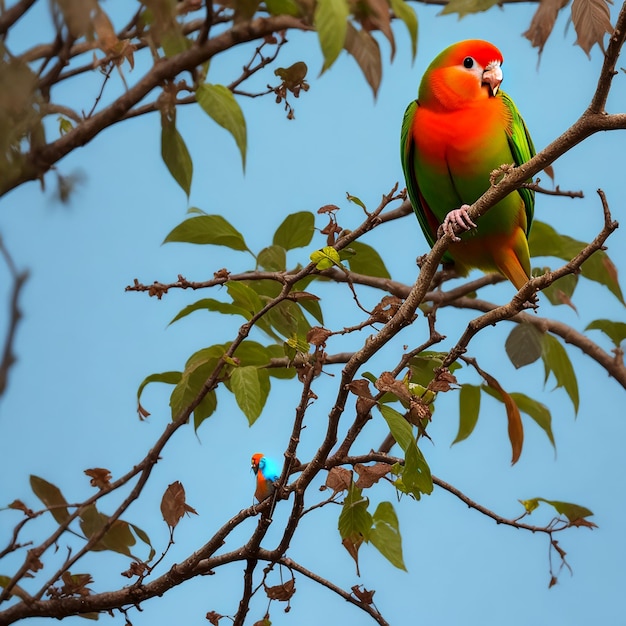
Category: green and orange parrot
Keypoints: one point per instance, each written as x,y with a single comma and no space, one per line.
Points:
460,129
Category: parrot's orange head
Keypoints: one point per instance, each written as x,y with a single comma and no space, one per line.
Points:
256,459
466,72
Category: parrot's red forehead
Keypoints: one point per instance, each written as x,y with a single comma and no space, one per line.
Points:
482,51
256,458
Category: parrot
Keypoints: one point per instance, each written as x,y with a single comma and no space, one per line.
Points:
267,473
460,129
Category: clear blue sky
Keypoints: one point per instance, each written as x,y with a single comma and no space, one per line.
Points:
85,345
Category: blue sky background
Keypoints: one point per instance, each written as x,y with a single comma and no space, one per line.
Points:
85,345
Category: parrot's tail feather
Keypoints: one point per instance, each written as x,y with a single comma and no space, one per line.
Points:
509,264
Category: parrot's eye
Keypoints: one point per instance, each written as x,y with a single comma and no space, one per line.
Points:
468,63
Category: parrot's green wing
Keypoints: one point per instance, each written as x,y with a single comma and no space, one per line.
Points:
523,150
407,150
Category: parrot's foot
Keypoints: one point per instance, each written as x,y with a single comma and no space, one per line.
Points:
461,218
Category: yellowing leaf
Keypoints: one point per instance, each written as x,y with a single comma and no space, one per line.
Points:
465,7
325,258
331,23
407,14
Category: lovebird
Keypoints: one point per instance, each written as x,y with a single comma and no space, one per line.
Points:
267,473
460,129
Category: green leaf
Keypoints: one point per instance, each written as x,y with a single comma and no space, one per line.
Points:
245,10
385,534
169,378
198,368
283,7
331,23
555,360
615,331
205,409
144,537
118,538
545,241
423,366
407,14
367,261
573,512
209,304
539,412
273,259
296,230
51,496
469,408
220,104
465,7
325,258
398,426
561,290
208,229
175,154
244,297
523,345
365,50
251,387
414,476
354,518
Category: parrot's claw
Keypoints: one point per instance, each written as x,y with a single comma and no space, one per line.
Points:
461,218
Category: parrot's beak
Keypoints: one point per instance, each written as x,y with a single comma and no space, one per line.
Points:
492,77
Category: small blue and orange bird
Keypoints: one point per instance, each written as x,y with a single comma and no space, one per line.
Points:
460,129
267,473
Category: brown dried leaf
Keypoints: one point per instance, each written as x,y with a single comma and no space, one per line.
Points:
339,479
443,381
318,335
553,581
516,429
34,562
370,474
135,569
327,208
213,617
592,20
365,51
543,22
173,505
386,382
18,505
386,309
73,585
223,273
364,595
583,522
418,411
360,387
282,593
100,477
352,545
105,33
376,16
